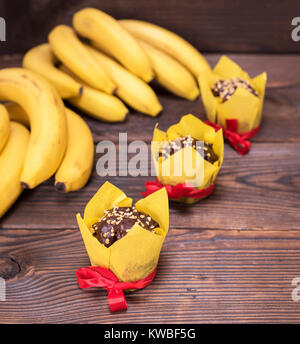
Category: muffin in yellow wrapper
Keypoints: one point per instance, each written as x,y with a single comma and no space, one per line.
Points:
242,105
187,167
135,255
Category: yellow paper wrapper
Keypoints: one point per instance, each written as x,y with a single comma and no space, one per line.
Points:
136,255
242,105
187,166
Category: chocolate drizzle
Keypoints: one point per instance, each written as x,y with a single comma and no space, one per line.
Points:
171,147
118,221
226,88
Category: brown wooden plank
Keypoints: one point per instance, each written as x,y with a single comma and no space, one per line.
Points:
258,191
236,26
219,276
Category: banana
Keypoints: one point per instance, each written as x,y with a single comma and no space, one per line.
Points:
11,164
77,163
41,60
110,36
98,104
45,109
4,126
131,89
17,114
168,42
171,74
69,50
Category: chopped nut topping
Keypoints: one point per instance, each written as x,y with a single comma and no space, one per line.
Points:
120,223
226,88
169,148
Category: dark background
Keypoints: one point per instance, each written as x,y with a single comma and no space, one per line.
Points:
211,25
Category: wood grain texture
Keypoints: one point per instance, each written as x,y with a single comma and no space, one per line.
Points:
260,191
280,118
219,276
214,26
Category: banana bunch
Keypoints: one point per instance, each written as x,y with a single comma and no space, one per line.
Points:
48,125
98,65
59,141
76,165
101,64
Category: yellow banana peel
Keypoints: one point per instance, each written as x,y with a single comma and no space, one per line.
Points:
4,126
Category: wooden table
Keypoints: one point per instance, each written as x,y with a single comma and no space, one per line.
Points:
230,258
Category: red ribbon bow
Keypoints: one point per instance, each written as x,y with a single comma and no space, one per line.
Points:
95,276
238,141
177,191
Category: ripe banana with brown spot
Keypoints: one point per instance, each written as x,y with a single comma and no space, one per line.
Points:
98,104
69,50
41,60
131,89
11,165
171,74
169,42
48,126
4,126
76,166
111,37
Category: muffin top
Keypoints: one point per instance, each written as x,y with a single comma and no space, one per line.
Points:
225,89
118,221
171,147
